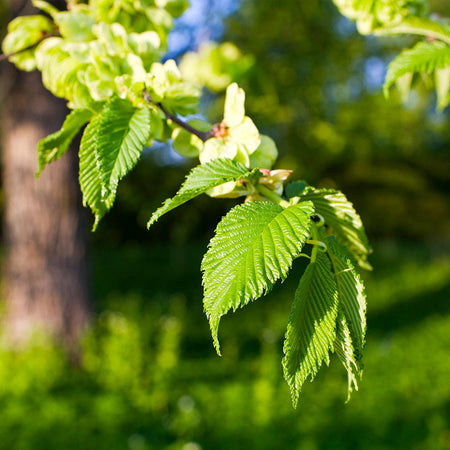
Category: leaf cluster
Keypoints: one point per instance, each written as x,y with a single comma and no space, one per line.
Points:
255,245
103,58
430,58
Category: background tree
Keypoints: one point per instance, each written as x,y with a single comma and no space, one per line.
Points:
45,275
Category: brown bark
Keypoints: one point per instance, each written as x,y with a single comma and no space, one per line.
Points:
45,281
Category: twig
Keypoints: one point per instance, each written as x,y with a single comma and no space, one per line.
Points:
203,135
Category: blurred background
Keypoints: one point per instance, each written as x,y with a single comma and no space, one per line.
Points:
146,376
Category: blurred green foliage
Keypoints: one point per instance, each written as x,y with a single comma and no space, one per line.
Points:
148,377
315,87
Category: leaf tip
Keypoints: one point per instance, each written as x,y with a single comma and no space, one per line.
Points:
214,326
97,221
150,222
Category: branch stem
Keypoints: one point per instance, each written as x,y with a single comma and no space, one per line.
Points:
203,135
271,195
420,27
315,235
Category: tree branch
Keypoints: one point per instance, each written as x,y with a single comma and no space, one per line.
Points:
203,135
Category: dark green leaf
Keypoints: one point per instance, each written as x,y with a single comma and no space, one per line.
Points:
311,330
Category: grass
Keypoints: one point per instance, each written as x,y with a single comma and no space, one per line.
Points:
150,379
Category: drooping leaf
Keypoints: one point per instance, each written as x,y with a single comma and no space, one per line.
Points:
351,323
90,175
55,145
424,57
352,298
345,222
343,347
203,178
124,132
110,147
442,80
254,246
311,330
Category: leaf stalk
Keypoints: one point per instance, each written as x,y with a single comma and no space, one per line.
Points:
271,195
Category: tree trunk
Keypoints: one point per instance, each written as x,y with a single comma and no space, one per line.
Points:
45,279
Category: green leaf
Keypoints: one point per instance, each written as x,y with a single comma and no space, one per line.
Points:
124,132
442,79
26,32
186,143
55,145
343,347
265,155
203,178
421,26
76,25
352,297
345,222
350,339
234,110
90,175
110,147
296,188
254,246
311,330
424,57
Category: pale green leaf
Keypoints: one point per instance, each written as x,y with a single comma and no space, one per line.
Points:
186,143
254,246
245,135
203,178
424,57
24,34
265,155
403,84
55,145
216,148
234,110
124,132
344,221
311,330
76,24
442,77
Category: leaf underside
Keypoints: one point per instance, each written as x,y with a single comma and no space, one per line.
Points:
311,330
351,324
424,57
344,221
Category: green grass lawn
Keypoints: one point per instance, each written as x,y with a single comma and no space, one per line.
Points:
149,377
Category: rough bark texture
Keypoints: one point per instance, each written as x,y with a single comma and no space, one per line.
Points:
45,281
